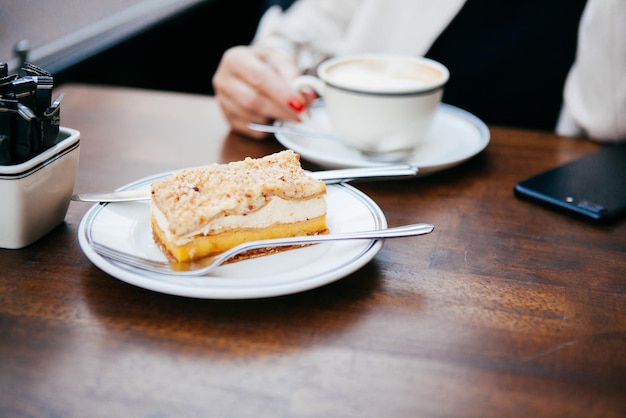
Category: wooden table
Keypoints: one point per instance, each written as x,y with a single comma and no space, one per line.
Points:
506,309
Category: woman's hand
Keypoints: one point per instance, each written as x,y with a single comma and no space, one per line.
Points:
253,84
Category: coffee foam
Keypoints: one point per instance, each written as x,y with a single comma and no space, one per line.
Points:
371,74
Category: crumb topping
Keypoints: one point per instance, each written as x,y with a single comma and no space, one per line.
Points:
191,198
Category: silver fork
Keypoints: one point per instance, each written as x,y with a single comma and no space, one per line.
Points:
207,264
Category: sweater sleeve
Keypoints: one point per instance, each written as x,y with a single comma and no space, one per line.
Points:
595,90
309,29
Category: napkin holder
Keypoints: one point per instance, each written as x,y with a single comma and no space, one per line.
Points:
36,193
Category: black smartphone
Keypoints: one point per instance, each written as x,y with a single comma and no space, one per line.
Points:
592,187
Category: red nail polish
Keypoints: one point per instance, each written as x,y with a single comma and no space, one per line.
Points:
296,104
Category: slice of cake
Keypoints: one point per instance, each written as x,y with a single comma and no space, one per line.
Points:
203,211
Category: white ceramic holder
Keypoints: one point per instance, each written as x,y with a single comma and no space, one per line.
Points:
35,194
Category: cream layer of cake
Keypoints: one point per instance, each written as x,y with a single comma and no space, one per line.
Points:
274,212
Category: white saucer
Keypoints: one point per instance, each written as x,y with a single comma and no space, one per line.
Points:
126,226
456,136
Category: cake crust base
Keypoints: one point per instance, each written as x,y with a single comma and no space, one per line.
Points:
204,246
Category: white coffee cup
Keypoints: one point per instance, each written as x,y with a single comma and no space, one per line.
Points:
382,104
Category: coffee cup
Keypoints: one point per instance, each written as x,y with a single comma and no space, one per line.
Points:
381,104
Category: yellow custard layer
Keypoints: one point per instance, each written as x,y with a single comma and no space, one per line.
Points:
203,246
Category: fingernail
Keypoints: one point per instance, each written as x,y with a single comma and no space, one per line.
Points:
296,104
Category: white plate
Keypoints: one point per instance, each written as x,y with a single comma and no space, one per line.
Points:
456,136
126,226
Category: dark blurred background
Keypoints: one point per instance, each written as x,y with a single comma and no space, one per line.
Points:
177,48
179,54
